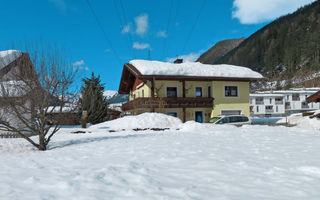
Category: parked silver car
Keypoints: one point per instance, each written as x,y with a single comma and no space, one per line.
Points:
230,119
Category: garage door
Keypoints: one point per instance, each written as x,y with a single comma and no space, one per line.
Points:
230,112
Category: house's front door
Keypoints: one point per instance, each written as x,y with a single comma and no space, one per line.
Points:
198,116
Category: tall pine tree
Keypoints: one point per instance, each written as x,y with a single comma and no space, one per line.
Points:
93,100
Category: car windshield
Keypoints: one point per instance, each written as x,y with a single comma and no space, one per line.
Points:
214,119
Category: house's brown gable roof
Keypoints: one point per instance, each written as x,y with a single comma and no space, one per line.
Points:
314,98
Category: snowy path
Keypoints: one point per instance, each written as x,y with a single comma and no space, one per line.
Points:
197,162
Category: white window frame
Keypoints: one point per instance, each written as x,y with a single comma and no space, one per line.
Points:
170,87
224,91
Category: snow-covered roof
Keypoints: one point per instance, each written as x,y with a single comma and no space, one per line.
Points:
266,95
13,88
196,69
8,56
290,92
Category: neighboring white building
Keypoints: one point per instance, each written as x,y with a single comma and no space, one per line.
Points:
282,102
267,105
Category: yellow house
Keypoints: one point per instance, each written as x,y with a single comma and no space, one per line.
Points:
190,91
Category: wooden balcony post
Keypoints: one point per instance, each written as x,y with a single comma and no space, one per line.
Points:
184,115
152,87
183,88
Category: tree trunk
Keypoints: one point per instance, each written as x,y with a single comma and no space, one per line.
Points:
42,144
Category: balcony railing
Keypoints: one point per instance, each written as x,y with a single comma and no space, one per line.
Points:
269,110
177,102
295,98
259,102
279,102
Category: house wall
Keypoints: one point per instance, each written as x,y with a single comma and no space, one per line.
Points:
230,103
241,102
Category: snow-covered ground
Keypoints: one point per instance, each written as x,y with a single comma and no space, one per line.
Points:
198,161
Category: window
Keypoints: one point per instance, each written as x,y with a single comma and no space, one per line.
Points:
230,112
288,96
257,109
259,101
295,97
269,107
270,100
278,100
172,92
250,100
214,119
209,92
277,109
173,114
251,108
224,120
198,91
231,91
142,92
312,105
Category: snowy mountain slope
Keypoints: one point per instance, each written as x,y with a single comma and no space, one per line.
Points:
109,93
199,161
114,98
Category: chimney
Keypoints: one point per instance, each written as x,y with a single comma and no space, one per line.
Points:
178,61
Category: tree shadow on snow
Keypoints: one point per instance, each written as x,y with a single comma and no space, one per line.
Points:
63,144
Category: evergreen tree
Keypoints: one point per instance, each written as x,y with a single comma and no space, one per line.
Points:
93,100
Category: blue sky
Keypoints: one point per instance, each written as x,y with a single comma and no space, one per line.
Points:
163,27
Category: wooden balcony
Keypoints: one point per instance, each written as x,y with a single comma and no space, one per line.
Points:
177,102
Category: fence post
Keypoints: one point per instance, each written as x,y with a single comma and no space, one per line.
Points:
84,119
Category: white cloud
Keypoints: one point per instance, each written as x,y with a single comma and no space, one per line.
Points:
140,46
125,29
61,4
162,34
142,23
258,11
191,57
80,65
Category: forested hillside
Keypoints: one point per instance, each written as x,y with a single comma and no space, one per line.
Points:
286,49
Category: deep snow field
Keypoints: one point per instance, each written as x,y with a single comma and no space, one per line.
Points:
198,161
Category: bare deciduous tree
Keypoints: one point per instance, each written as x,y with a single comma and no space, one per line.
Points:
32,86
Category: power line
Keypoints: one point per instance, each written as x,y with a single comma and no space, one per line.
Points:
167,30
122,25
193,26
126,21
103,31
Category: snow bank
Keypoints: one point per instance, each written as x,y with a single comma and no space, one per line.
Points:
147,67
220,162
292,119
302,122
7,57
145,120
308,123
